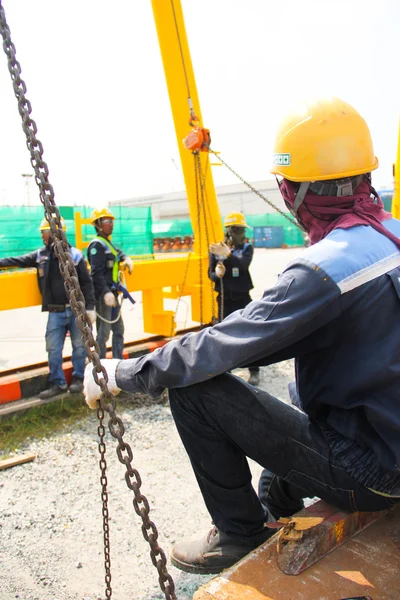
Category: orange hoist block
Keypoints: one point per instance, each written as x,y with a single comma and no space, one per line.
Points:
198,138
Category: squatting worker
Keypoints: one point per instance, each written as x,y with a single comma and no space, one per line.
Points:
336,311
105,260
61,318
228,268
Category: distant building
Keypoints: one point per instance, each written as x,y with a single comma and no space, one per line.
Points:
231,198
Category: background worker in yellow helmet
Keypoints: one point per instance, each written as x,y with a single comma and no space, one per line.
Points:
105,260
336,311
228,268
61,318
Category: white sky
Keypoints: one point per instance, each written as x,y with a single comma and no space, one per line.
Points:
95,80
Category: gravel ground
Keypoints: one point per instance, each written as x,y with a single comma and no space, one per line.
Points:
51,541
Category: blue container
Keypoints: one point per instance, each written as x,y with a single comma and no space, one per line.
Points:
268,237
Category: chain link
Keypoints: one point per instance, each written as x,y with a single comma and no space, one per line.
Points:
207,207
77,302
221,300
104,497
196,158
253,189
202,206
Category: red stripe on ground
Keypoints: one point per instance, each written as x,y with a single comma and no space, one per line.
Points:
10,389
159,344
67,368
125,354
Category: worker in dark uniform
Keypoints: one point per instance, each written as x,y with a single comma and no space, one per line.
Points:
105,261
61,318
228,268
335,310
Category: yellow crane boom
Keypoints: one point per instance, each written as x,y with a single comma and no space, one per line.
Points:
182,90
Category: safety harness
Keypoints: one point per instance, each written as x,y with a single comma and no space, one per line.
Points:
107,244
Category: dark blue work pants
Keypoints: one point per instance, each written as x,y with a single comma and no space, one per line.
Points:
224,420
104,329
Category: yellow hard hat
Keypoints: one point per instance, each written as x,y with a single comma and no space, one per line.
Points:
323,139
235,219
45,225
101,213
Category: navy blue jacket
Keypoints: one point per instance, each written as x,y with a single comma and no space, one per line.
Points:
52,287
237,279
336,310
101,261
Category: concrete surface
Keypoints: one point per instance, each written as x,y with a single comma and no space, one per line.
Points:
22,330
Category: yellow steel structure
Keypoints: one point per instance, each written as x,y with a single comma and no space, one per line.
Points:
396,175
19,289
181,83
79,221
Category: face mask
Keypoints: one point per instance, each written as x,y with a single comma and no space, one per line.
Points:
236,235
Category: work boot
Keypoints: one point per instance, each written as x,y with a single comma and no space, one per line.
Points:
76,386
254,378
52,391
215,551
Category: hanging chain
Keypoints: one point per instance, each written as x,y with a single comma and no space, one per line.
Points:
253,189
202,206
206,207
221,300
104,497
199,229
77,302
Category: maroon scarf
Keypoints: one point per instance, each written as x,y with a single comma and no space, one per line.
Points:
322,214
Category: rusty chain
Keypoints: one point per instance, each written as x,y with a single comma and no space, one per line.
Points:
77,302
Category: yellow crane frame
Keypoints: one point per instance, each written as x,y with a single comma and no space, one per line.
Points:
396,175
19,289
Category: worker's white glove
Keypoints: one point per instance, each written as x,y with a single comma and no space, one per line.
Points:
220,270
128,264
91,390
92,315
110,299
220,249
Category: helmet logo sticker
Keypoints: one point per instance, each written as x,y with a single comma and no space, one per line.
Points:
281,159
93,251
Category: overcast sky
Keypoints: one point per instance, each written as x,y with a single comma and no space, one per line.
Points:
95,80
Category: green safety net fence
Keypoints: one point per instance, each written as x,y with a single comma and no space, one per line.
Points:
19,228
292,235
134,229
172,228
387,198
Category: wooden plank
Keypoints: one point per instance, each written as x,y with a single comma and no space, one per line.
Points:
16,460
19,405
298,548
368,564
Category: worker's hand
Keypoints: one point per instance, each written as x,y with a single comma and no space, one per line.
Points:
220,249
91,390
110,299
220,270
128,264
92,315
